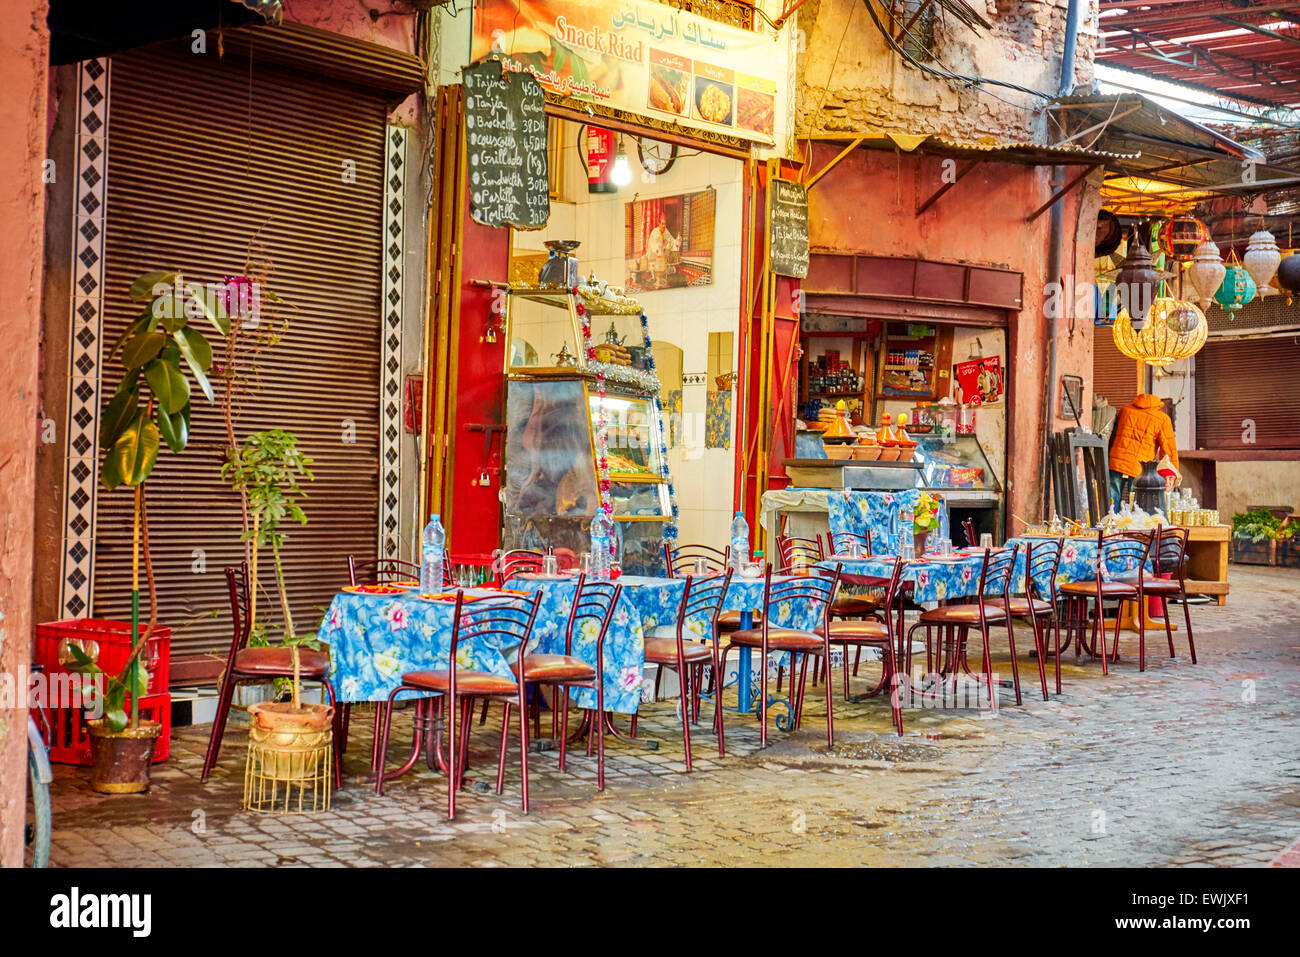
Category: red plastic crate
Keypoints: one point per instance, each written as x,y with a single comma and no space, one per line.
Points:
69,740
108,642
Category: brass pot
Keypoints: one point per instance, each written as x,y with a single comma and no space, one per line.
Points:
288,738
120,760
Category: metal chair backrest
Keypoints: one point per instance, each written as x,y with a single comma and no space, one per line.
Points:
818,589
508,619
592,601
1122,552
240,609
383,571
1042,561
703,601
799,551
841,542
517,561
681,560
995,576
1170,552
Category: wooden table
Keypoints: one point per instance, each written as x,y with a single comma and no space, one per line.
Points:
1207,561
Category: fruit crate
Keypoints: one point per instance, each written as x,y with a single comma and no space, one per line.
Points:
1288,552
107,642
1246,552
69,740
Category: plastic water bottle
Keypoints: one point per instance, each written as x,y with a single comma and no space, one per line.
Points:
739,543
433,544
602,534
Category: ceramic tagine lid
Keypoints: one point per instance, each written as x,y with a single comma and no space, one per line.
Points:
839,429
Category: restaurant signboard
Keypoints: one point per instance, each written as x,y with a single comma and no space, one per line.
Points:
642,57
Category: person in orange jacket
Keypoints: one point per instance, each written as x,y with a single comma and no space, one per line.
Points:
1140,428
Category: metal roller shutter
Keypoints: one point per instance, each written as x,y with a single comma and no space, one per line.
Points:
1240,379
203,155
1114,375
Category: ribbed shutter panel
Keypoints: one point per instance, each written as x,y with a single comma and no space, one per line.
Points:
1114,375
206,155
1240,379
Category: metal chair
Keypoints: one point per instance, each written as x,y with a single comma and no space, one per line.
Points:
517,561
955,621
881,634
1170,558
1039,603
819,591
681,560
701,605
850,544
507,621
1117,552
261,664
384,571
592,601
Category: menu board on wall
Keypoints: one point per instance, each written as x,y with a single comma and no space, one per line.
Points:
640,56
505,145
787,205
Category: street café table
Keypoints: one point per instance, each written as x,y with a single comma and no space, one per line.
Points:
646,602
957,577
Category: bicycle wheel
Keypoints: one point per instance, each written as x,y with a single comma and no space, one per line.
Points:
37,850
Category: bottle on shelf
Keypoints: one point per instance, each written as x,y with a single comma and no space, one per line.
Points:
433,543
739,543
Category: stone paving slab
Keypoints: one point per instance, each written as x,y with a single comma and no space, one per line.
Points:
1183,765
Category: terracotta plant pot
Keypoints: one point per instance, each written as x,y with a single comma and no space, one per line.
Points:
288,736
120,760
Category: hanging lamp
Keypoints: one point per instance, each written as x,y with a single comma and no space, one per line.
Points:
1181,236
1175,329
1238,287
1206,272
1261,260
1288,275
1137,282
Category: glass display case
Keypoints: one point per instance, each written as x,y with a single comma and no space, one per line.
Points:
957,465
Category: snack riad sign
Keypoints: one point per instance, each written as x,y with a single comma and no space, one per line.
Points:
641,57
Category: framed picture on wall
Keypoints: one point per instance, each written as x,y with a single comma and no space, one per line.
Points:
668,241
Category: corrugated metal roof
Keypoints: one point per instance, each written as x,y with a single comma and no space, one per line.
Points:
1009,150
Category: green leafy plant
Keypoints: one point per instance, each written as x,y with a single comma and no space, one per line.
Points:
925,517
1258,525
160,354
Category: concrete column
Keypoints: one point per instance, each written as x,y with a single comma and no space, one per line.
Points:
24,66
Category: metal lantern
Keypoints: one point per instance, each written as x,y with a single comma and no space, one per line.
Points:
1206,272
1137,282
1175,329
1288,275
1238,288
1181,236
1261,260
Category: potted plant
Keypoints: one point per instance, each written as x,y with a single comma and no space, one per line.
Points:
925,519
267,471
160,354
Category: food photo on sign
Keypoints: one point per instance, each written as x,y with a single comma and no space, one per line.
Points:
979,381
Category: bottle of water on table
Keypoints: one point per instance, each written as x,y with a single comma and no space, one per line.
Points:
739,543
602,536
906,529
433,545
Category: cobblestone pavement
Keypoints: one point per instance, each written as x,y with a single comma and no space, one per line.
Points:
1183,765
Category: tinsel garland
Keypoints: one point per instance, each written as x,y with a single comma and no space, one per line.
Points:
670,527
603,483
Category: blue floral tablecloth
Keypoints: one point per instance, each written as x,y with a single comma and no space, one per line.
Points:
375,639
1078,563
860,512
930,581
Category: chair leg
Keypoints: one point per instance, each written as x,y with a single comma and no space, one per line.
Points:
453,754
1099,625
988,663
523,742
846,670
482,718
830,718
686,697
762,685
381,739
218,724
717,701
857,660
1040,649
895,705
599,718
1169,629
1015,665
1187,617
501,756
564,723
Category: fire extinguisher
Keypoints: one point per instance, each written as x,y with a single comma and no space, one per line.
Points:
600,160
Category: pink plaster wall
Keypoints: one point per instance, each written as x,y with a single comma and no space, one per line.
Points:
867,204
24,55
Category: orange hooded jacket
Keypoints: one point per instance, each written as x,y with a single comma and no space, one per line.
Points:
1140,427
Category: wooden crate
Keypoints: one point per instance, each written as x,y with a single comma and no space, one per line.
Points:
1288,552
1246,552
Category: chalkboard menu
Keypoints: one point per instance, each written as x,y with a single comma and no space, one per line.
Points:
505,143
787,216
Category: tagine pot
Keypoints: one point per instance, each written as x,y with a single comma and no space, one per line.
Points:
120,760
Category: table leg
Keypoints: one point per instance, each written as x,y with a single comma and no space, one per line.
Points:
744,693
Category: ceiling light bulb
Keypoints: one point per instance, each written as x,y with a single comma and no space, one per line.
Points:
621,174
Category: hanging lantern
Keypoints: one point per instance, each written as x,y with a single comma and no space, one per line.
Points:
1288,275
1206,272
1175,329
1137,282
1238,288
1261,260
1181,236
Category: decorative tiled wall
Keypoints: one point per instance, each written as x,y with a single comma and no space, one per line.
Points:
390,407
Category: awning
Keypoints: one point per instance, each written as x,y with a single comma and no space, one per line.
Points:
85,29
1168,160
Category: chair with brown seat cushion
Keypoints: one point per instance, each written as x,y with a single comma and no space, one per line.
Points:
506,621
954,623
680,560
879,634
1121,557
818,591
1038,604
675,648
259,664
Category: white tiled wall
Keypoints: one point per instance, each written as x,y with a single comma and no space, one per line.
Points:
684,317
